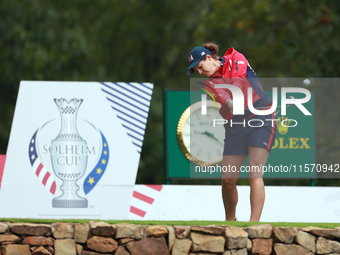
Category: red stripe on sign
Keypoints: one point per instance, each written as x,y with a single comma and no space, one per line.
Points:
2,166
39,169
137,211
142,197
47,175
53,188
155,187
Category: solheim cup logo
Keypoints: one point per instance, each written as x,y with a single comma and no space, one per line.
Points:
68,155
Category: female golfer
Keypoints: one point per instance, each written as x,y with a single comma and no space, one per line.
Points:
246,134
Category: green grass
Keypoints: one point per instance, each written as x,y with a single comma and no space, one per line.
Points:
170,223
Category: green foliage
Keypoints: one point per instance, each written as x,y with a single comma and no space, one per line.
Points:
148,41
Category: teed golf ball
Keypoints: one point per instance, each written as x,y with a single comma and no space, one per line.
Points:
306,81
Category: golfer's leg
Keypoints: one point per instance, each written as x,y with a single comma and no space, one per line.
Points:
229,180
257,158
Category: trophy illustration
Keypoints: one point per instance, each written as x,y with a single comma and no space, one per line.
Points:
69,155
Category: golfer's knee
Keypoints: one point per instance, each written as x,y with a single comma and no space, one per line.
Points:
229,182
255,181
256,170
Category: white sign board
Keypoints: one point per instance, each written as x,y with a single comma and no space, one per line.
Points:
204,203
74,149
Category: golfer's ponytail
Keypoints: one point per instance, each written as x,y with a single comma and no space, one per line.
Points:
213,48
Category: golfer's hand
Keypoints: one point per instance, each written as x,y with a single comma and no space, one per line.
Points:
229,104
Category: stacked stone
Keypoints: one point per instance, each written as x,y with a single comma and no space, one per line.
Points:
129,239
310,240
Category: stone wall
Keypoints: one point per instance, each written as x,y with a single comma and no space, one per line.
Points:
128,239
